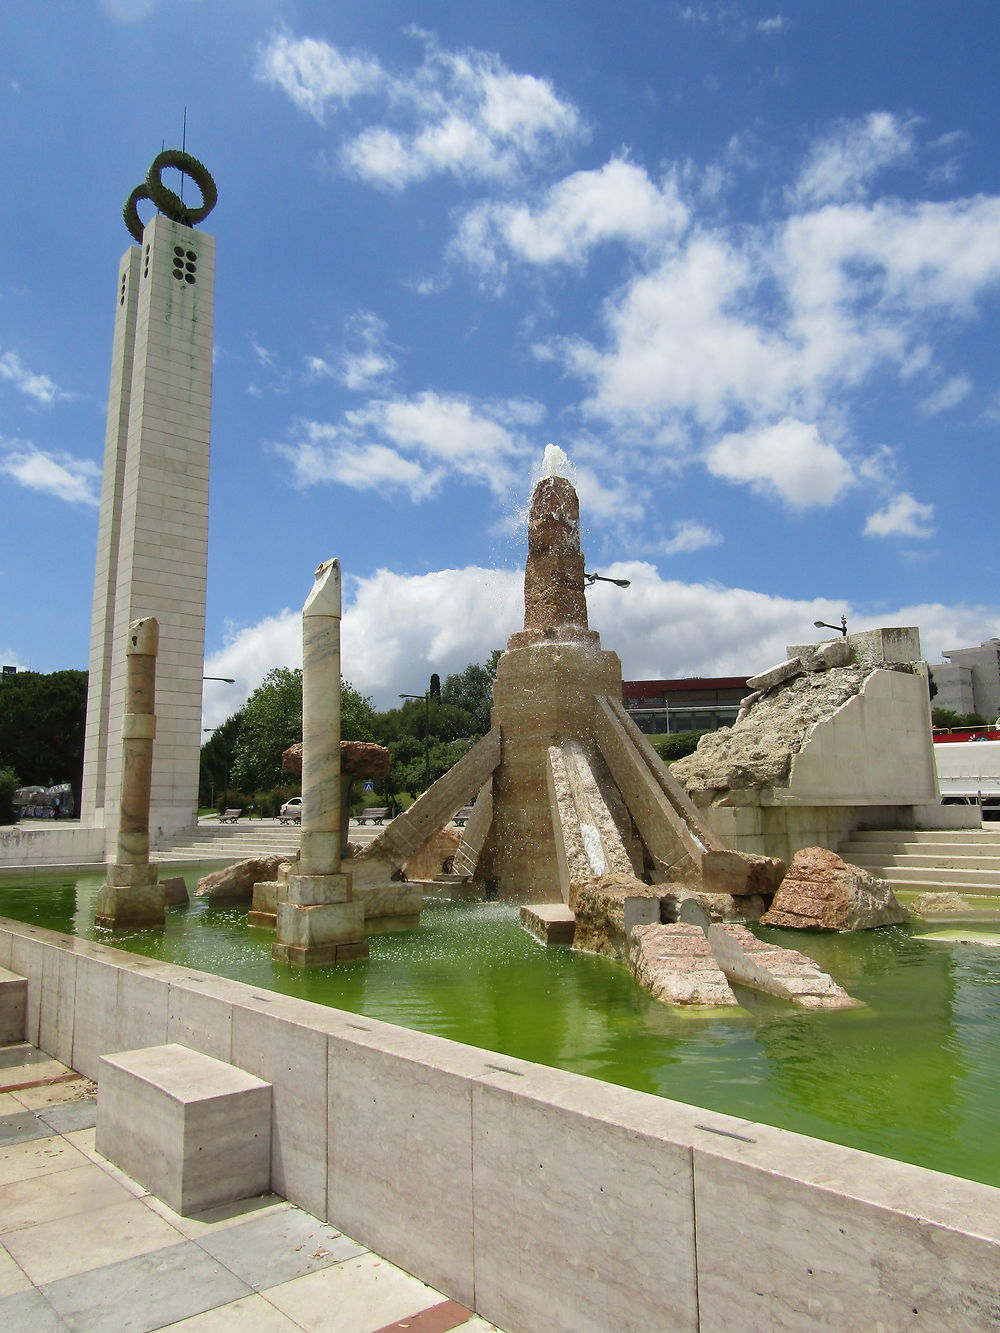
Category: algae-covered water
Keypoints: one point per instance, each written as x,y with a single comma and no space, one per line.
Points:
914,1074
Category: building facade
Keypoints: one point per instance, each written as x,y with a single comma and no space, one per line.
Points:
969,682
696,703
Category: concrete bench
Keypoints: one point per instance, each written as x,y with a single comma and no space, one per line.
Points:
463,816
375,815
13,1006
229,816
194,1130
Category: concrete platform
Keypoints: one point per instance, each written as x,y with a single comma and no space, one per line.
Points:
550,923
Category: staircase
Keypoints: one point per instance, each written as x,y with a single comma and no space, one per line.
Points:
229,842
959,860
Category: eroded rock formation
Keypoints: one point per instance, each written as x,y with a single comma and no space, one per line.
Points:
823,892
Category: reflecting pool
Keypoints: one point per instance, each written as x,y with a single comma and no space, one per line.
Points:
914,1074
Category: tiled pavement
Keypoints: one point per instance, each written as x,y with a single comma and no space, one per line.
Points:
83,1246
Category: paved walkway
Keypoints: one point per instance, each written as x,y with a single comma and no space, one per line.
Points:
83,1246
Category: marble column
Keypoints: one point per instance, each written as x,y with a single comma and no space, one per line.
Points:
132,897
318,921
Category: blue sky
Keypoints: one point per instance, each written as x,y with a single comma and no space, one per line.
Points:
740,260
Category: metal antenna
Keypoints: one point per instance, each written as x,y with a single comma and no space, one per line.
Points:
184,135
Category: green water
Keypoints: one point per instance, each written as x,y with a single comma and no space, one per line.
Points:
914,1074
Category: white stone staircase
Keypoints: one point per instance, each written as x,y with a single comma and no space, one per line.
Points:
229,842
959,860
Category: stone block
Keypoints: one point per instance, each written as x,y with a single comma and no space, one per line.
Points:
582,1205
324,924
400,1149
775,675
550,923
13,1006
57,1003
200,1014
292,1058
95,1032
175,891
841,1240
195,1131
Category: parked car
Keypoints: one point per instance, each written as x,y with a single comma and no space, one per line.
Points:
291,811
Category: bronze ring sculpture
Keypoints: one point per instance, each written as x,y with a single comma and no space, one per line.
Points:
166,200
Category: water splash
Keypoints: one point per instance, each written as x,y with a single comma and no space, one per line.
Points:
555,462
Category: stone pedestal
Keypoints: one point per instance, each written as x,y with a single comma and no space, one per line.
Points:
544,693
131,897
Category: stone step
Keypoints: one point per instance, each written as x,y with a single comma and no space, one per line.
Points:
927,835
972,881
925,860
873,848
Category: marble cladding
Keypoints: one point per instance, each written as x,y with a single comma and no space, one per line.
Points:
542,1198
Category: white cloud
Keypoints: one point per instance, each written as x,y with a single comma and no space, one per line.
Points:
788,460
313,73
690,536
416,444
777,23
39,387
463,113
75,480
366,360
902,517
398,628
949,395
842,165
616,202
757,324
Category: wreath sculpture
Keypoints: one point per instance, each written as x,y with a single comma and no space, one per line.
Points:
167,201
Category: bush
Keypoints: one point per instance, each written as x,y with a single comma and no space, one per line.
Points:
947,717
678,744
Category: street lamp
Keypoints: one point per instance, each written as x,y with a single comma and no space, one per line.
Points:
591,579
842,627
426,696
229,681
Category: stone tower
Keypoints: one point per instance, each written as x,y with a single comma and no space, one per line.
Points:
153,532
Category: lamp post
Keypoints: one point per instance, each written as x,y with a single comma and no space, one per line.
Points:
229,680
427,732
591,579
841,628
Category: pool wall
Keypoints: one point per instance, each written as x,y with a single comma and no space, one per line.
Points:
541,1198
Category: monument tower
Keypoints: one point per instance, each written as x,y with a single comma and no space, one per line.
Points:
152,541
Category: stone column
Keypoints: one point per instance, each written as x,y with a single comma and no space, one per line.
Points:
319,922
132,897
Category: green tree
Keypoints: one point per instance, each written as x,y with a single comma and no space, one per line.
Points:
9,783
42,720
472,690
272,721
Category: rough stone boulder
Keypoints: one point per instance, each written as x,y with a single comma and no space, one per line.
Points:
676,963
823,892
933,904
608,908
237,881
358,759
